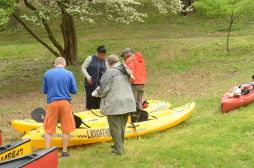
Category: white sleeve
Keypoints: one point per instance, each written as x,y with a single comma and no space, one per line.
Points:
85,66
107,65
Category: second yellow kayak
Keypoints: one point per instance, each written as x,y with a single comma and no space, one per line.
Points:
101,133
25,125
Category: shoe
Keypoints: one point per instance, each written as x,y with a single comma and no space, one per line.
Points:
113,146
65,154
115,153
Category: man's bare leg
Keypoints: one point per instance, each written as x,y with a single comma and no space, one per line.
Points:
66,138
48,140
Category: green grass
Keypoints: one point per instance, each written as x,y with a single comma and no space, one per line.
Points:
186,61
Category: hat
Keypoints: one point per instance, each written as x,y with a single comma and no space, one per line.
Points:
126,50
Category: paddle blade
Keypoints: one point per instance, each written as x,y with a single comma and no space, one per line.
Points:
78,121
38,114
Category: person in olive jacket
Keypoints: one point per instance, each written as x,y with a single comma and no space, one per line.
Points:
117,100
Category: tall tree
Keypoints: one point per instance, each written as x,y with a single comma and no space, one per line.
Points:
45,12
228,10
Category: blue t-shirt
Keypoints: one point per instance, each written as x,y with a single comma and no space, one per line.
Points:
58,83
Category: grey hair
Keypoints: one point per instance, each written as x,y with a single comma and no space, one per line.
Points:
60,61
112,59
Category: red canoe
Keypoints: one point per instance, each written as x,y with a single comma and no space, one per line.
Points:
231,103
47,158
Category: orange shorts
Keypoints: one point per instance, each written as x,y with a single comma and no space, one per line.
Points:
59,110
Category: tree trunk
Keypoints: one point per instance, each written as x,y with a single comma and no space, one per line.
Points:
186,3
69,36
14,23
229,29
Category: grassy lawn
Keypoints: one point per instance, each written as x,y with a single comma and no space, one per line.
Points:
186,61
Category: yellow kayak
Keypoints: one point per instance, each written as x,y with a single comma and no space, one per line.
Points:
15,149
25,125
159,121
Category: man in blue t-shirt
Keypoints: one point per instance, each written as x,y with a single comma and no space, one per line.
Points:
58,83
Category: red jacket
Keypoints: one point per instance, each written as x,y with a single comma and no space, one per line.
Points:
137,65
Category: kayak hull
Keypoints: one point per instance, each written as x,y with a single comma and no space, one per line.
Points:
15,149
101,134
44,158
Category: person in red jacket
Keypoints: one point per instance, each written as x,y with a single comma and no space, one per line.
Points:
136,64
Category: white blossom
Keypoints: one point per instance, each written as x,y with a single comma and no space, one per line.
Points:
167,6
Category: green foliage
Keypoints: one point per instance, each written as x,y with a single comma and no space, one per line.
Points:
6,7
185,62
221,7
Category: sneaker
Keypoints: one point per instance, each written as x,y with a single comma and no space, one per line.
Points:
113,146
65,154
115,153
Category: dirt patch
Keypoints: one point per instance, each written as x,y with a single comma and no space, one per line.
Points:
192,84
20,106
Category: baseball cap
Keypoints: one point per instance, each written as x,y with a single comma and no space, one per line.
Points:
126,50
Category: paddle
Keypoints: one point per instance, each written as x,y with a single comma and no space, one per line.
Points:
78,122
38,114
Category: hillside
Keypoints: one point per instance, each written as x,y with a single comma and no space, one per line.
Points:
186,61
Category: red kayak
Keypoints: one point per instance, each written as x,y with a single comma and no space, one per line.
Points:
231,103
47,158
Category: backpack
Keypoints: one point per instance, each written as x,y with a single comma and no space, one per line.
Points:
139,115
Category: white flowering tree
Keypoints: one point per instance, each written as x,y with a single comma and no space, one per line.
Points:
228,10
175,6
45,12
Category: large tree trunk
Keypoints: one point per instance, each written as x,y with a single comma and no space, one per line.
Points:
69,35
70,38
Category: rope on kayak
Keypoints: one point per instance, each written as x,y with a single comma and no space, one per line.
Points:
153,116
95,114
134,127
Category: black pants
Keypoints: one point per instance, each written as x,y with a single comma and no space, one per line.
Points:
92,102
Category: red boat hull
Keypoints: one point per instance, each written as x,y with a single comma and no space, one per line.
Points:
47,158
231,103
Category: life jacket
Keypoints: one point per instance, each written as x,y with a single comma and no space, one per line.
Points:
139,115
137,65
246,88
96,69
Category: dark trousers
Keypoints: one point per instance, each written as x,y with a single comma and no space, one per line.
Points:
92,102
117,124
138,92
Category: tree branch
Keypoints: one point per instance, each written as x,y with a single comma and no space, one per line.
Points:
50,34
35,36
229,28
